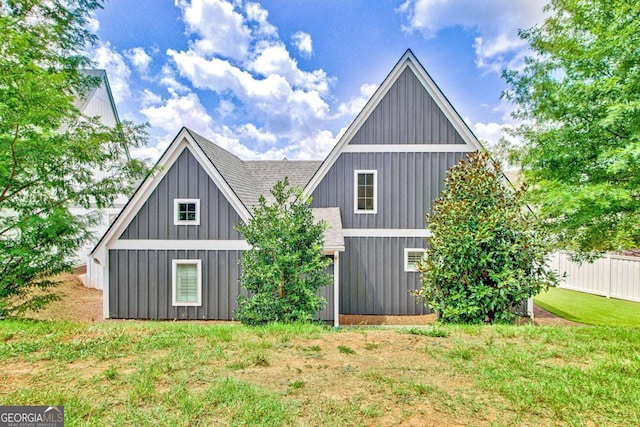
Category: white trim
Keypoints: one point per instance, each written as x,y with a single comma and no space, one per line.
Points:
336,289
408,60
176,212
182,140
386,232
211,245
174,282
406,258
408,148
355,191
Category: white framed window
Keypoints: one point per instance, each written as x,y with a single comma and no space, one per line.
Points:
186,211
365,191
411,258
186,283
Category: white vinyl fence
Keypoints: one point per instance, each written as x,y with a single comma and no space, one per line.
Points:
612,276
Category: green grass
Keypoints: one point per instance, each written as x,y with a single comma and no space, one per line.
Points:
184,374
589,309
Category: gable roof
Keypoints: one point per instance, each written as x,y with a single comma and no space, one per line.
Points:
242,182
408,61
82,101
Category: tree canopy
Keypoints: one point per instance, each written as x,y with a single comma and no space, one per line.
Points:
485,256
285,267
49,153
578,99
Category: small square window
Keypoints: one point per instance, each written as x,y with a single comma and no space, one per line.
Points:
412,256
365,192
186,212
187,282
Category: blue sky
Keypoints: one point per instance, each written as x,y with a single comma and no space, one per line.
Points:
272,79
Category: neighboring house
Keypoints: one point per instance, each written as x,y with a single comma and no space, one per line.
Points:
173,252
98,102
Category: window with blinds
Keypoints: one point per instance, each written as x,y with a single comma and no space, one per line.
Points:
187,282
412,256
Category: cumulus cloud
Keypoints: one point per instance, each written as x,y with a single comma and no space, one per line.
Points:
497,45
176,112
140,60
108,59
352,107
272,99
302,42
220,27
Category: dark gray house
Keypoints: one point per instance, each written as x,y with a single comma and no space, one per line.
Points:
173,251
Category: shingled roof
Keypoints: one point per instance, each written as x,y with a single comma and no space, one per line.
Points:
250,179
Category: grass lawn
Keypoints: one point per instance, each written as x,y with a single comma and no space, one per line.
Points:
127,373
589,309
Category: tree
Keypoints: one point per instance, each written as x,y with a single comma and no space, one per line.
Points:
285,267
49,154
578,99
485,255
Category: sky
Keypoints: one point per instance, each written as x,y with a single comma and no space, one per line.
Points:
284,78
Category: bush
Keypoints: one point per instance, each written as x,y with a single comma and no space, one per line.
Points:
486,255
285,266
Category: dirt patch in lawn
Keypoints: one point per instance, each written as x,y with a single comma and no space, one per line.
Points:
76,303
359,320
544,318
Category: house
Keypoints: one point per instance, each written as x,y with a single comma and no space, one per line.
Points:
173,251
98,102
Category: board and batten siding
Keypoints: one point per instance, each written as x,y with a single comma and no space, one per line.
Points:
407,184
407,114
140,284
373,280
327,293
185,179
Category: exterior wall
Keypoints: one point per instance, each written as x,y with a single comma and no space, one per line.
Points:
372,276
407,185
407,115
327,292
185,179
140,284
99,105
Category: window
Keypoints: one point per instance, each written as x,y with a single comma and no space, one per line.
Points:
411,258
365,192
186,211
187,282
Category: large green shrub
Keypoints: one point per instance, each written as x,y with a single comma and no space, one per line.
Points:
285,267
486,255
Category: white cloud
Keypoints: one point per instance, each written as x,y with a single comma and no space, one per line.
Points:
220,27
275,59
140,59
497,45
352,107
148,98
284,109
117,70
257,14
168,79
176,112
302,42
249,130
